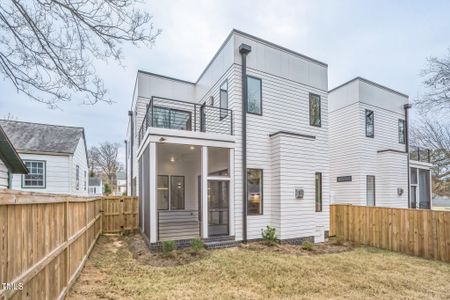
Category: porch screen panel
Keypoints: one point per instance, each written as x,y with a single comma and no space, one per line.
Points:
424,188
146,191
177,192
163,192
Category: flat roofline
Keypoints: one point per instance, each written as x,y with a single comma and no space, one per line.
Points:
369,82
270,44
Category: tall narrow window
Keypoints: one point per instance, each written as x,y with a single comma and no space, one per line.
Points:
85,178
401,131
318,184
370,182
177,192
36,175
254,191
254,97
163,192
314,110
77,177
224,100
370,122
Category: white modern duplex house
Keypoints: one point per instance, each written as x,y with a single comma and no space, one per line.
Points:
369,150
242,147
55,156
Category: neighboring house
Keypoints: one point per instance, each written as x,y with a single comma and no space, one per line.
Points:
95,186
10,161
56,157
121,183
368,146
204,168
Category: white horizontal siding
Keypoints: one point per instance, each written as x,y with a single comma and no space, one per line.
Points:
3,175
57,174
79,158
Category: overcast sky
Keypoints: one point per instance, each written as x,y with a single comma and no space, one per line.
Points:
384,41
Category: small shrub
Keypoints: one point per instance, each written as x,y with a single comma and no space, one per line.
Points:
269,235
307,245
197,245
168,246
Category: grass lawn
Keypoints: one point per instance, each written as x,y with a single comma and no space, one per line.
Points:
117,269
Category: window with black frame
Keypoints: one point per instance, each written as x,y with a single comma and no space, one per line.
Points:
254,191
401,131
254,95
170,192
164,117
224,100
370,123
163,192
176,192
370,186
314,110
318,191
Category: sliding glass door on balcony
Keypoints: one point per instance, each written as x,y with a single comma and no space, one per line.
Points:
171,118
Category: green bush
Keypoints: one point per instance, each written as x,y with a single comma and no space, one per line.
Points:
269,235
168,246
197,245
307,245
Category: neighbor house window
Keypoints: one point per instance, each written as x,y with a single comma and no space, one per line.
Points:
370,123
85,178
254,97
401,131
370,183
254,191
224,100
318,186
170,192
36,175
314,110
77,177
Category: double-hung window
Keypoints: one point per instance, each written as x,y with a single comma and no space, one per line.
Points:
170,192
224,100
401,131
314,110
77,177
370,122
254,191
36,177
254,95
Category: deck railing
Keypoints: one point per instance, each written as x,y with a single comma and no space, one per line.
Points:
183,115
420,154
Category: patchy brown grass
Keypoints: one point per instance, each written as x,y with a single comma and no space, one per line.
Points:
120,268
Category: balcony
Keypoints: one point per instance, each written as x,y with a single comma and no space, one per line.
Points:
188,116
420,154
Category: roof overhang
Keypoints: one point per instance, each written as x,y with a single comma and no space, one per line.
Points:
9,155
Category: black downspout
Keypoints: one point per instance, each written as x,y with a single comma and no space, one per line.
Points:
244,50
126,167
130,113
406,107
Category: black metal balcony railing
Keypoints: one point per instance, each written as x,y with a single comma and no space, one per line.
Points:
183,115
420,154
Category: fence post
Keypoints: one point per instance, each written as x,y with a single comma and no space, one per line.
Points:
66,240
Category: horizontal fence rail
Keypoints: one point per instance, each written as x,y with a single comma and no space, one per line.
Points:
45,240
183,115
424,233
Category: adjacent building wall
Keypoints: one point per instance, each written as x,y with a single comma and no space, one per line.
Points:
80,158
3,176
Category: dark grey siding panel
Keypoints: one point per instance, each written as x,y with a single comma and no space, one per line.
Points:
178,225
146,190
140,191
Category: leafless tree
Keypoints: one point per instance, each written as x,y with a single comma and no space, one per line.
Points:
436,136
437,82
48,47
104,159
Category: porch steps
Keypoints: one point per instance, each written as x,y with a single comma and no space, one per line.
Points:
221,242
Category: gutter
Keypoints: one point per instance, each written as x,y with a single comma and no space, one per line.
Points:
406,107
244,50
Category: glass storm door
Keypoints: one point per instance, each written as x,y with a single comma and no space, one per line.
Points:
218,212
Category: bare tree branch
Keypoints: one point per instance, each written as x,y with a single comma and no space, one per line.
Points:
103,160
48,47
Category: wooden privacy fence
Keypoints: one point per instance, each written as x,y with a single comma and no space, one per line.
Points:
45,241
424,233
120,214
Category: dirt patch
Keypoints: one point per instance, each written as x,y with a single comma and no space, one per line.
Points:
317,249
145,256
